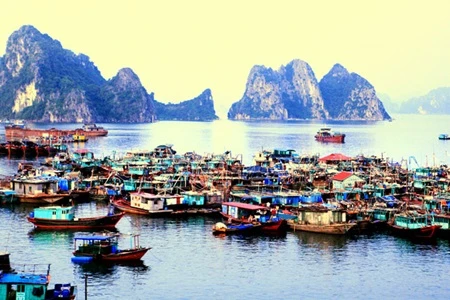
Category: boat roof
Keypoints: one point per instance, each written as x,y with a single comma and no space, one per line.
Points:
244,205
54,207
24,278
93,237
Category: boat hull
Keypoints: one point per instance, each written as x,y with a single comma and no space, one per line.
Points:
334,229
104,222
331,139
425,233
42,198
278,226
123,256
222,229
124,206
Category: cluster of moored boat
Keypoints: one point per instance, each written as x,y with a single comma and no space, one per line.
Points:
280,190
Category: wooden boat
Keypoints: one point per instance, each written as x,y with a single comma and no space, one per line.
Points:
414,226
142,204
58,217
326,135
339,228
244,228
104,248
37,190
237,213
322,220
31,283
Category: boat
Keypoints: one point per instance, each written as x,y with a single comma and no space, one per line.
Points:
59,217
142,204
38,190
243,228
243,213
322,220
444,136
31,283
15,132
79,138
7,196
91,129
414,226
103,247
327,135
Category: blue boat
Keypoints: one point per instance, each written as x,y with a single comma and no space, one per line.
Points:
444,136
243,228
31,283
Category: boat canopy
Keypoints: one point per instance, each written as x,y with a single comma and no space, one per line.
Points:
244,205
93,237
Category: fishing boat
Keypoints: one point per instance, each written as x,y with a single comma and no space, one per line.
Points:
322,220
243,213
327,135
59,217
243,228
38,190
414,226
103,247
32,282
142,204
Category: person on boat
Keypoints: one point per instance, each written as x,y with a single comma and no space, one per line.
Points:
250,219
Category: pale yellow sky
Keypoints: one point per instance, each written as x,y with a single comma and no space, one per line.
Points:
180,48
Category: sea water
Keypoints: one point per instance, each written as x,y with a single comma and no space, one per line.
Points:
188,262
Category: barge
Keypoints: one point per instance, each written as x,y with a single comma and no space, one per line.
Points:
88,130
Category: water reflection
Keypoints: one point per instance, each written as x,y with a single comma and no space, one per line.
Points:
101,270
46,237
321,241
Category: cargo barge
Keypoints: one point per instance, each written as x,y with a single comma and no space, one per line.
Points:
17,132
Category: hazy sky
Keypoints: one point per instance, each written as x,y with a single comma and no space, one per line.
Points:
180,48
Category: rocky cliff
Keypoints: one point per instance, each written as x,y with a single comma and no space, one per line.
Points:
126,100
201,108
436,101
42,82
348,96
292,92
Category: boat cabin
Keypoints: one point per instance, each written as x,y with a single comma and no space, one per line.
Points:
32,284
54,213
321,216
415,221
148,201
34,186
87,246
242,211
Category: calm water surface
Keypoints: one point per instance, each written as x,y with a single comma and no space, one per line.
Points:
188,262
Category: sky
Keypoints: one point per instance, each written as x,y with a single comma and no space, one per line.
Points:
180,48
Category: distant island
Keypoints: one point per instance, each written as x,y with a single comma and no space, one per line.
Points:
293,92
42,82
